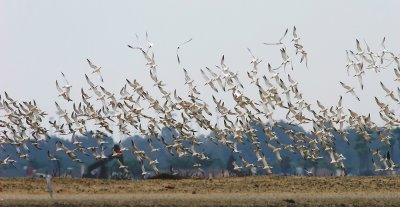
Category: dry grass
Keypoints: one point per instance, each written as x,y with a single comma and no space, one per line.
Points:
238,191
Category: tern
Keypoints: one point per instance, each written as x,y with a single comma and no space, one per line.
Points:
179,47
295,37
350,90
280,40
95,68
389,92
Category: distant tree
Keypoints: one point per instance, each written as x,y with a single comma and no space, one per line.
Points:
362,150
392,143
182,162
307,164
133,166
34,162
285,165
396,135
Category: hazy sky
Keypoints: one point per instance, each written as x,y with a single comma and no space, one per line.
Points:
39,39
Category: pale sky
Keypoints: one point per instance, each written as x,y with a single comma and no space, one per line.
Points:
39,39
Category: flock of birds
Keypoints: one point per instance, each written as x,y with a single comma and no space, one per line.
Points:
135,111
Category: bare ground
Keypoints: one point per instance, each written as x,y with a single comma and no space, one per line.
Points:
234,191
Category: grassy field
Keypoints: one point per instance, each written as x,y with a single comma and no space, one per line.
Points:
234,191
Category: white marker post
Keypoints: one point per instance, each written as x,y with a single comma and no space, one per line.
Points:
49,187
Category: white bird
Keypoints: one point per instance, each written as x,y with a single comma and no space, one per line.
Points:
389,92
360,51
148,41
280,40
293,83
350,63
153,165
67,85
333,158
376,168
295,37
64,92
208,81
396,71
286,59
122,166
250,166
8,161
96,69
63,113
144,172
194,153
350,90
179,47
236,166
59,146
359,73
255,61
218,78
275,150
384,50
265,166
299,49
51,157
308,172
152,148
235,149
91,84
5,161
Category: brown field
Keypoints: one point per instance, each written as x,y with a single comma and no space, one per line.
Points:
234,191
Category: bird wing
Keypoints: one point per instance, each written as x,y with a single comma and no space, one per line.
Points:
384,87
184,43
397,73
204,75
360,81
272,43
398,91
358,45
59,110
271,146
148,41
89,82
345,86
368,49
211,72
284,35
222,61
97,92
393,97
248,49
282,84
142,167
91,64
65,79
383,43
213,86
187,77
340,101
294,32
320,105
153,76
355,95
290,79
58,87
380,104
266,81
